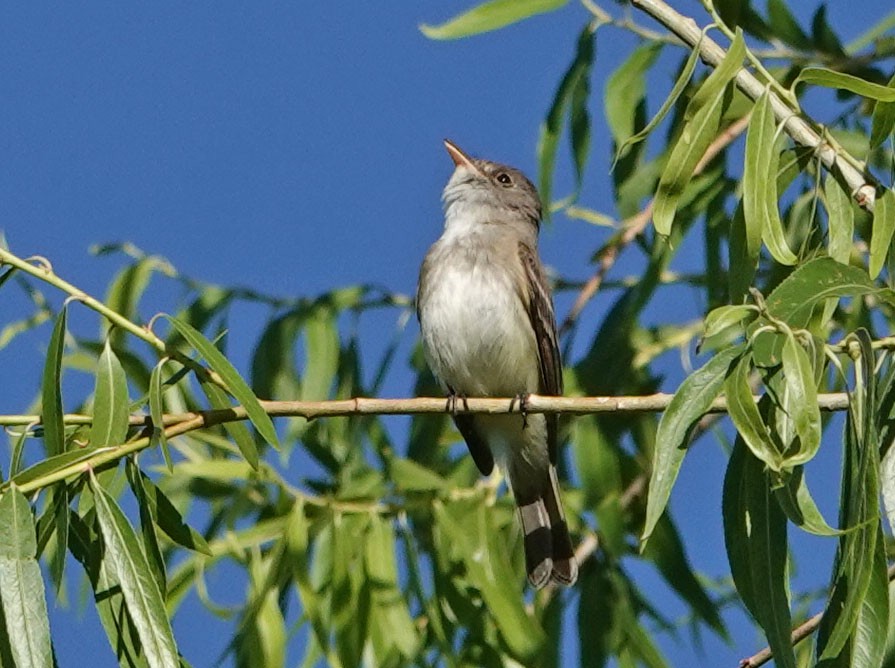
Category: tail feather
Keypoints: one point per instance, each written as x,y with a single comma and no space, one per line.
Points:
548,546
538,542
565,565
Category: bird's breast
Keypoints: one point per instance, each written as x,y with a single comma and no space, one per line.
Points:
476,331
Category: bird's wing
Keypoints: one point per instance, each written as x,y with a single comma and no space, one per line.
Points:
543,322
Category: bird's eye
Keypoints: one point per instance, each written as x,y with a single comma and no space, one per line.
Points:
504,179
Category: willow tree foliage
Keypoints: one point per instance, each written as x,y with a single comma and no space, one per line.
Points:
393,551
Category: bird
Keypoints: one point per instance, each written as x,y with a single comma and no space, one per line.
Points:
488,330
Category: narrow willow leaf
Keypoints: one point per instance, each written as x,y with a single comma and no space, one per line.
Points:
841,217
742,267
702,121
800,402
59,501
169,519
350,602
466,528
51,390
883,120
883,228
489,16
127,564
692,399
125,292
236,430
110,400
821,76
409,476
724,317
746,418
796,501
322,355
147,525
756,542
390,610
760,144
785,26
625,89
157,410
856,553
679,86
576,76
235,383
52,465
21,584
870,638
86,546
772,233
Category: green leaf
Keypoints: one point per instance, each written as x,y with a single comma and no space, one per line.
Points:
489,16
746,418
679,86
759,190
800,402
58,502
236,385
883,120
110,401
796,297
125,292
856,557
691,401
756,542
870,638
625,89
321,354
841,217
725,317
883,228
796,501
572,91
21,585
147,525
86,546
169,519
236,430
157,410
51,390
785,26
126,562
467,529
702,121
821,76
409,476
391,619
52,465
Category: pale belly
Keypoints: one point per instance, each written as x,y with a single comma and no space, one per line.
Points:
477,335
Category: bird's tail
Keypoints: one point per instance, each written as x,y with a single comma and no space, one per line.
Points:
548,547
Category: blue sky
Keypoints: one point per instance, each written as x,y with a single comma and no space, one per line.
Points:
292,148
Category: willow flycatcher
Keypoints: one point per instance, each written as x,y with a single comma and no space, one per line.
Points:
488,330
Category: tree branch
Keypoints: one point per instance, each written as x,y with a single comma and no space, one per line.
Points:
536,403
861,186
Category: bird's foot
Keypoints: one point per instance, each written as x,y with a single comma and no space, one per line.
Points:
522,400
452,398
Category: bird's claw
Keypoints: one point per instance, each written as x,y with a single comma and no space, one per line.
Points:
522,399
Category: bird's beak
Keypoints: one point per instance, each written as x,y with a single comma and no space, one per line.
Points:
459,157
